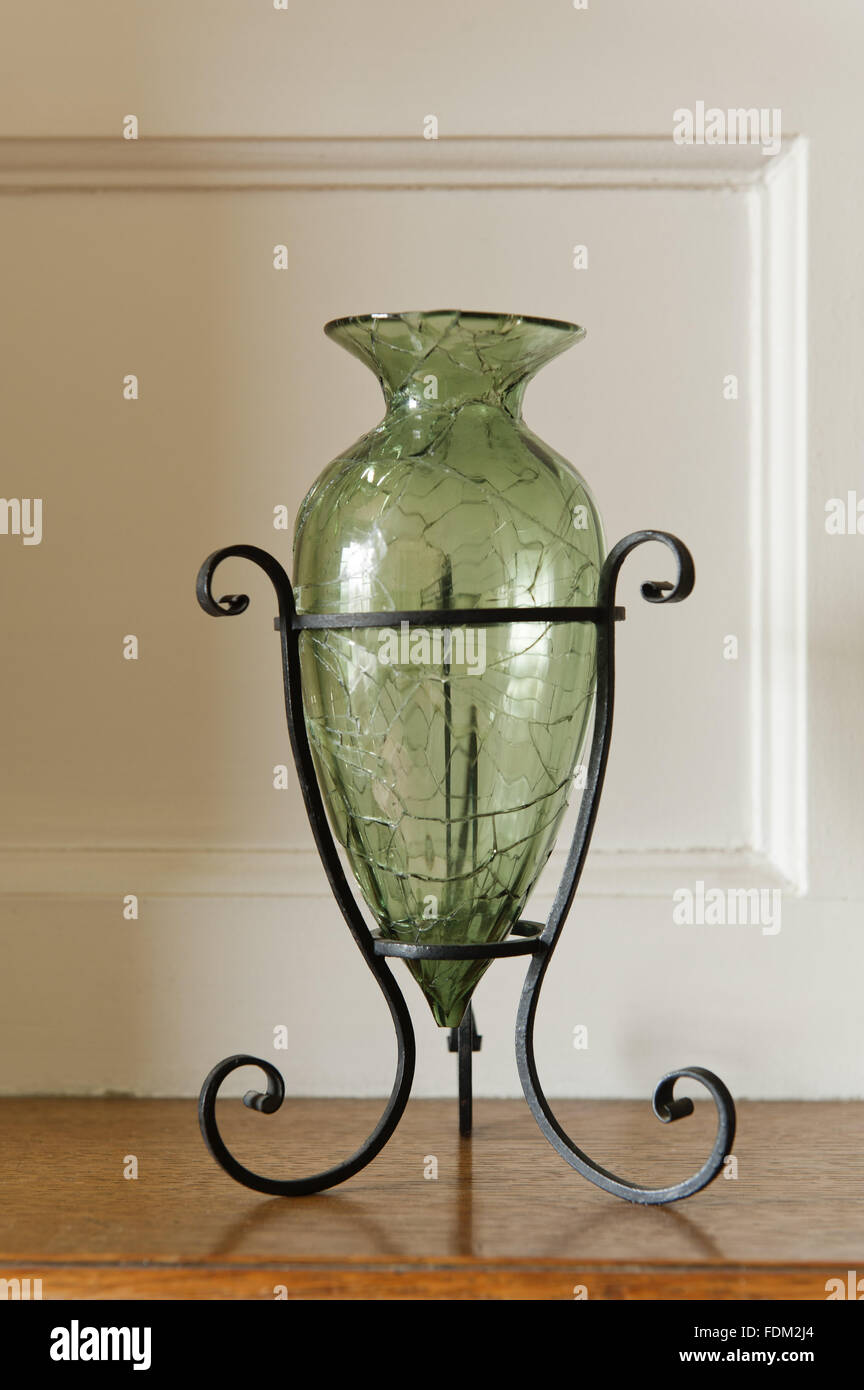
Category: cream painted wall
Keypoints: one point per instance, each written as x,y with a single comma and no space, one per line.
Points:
173,754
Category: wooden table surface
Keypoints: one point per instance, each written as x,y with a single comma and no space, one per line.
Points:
506,1218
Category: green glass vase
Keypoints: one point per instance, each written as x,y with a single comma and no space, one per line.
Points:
446,756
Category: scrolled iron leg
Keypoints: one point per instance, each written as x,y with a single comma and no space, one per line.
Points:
667,1107
269,1101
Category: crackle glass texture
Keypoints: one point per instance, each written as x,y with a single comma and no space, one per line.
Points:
446,756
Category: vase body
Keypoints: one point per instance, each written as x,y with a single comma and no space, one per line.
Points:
446,756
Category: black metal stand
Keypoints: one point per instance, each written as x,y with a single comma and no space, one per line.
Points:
526,939
465,1040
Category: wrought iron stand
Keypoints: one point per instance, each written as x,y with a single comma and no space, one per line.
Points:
526,939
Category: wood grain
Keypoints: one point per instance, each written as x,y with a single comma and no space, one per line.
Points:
505,1219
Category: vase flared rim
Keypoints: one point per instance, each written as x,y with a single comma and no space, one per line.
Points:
486,314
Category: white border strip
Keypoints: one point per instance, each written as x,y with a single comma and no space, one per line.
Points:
477,162
192,872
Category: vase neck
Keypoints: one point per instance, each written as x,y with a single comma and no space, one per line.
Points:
447,358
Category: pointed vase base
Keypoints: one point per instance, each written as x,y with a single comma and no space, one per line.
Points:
448,986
